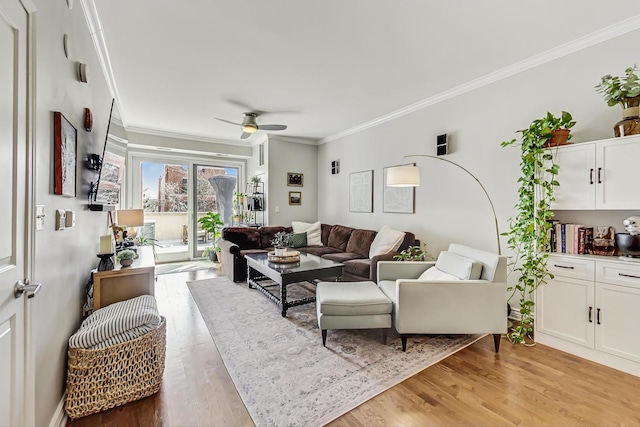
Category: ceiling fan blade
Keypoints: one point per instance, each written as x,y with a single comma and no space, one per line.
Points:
227,121
272,127
245,135
245,107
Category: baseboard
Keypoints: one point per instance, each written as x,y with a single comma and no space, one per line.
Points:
515,314
59,418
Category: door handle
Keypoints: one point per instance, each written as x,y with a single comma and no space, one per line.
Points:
629,275
590,310
564,266
598,316
599,177
24,287
591,176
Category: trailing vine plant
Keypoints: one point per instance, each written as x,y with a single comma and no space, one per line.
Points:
529,232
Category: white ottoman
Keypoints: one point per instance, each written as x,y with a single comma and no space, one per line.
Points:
352,305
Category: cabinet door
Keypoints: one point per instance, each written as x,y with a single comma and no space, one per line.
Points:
576,176
562,309
617,323
616,174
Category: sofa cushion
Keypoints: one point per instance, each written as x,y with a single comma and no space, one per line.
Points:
358,267
319,250
343,256
325,229
388,288
387,240
360,242
244,237
460,266
312,230
351,299
298,240
339,237
409,240
434,273
267,233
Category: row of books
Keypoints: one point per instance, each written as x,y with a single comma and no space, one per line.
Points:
570,238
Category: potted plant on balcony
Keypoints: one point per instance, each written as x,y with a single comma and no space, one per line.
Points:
528,235
623,90
212,224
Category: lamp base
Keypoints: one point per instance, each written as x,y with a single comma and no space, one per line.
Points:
106,262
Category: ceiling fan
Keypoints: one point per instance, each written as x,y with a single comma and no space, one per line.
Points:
250,126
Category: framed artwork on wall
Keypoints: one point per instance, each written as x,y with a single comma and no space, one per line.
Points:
295,197
361,191
295,179
397,199
65,145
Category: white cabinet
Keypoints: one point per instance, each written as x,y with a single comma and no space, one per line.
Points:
598,175
589,309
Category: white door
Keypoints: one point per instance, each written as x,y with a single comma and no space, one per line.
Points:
616,320
14,193
617,162
577,175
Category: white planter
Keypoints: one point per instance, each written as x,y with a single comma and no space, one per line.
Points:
280,251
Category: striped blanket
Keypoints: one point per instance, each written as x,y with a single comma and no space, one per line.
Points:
117,323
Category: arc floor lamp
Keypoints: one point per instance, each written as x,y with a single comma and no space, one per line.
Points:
409,176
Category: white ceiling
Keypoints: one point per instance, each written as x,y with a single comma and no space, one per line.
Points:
326,68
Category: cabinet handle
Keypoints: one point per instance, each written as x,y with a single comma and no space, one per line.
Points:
598,316
590,310
563,266
599,172
629,275
591,176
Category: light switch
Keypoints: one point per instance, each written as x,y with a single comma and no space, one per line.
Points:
70,219
40,217
277,209
60,219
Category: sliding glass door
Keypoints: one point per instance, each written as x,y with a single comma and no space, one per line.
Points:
174,193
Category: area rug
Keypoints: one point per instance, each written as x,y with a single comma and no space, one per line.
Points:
181,267
284,375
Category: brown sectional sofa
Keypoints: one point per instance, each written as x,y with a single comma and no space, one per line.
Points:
346,245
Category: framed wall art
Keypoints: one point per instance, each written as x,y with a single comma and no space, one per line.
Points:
295,179
361,191
397,199
295,197
65,145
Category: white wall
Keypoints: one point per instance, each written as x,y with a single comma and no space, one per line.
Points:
63,259
288,156
450,206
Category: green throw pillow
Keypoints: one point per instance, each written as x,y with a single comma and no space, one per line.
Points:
298,240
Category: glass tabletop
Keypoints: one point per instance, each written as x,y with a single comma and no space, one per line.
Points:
308,262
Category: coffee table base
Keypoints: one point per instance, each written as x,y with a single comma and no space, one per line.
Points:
280,301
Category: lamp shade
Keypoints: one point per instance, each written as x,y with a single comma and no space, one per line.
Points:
130,217
403,176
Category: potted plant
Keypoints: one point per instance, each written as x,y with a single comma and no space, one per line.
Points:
212,252
255,179
529,232
126,257
553,131
281,241
212,223
623,90
413,253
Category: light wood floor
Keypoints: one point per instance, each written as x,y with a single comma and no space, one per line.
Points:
519,386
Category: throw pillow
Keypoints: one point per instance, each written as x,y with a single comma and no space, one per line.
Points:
460,266
434,274
312,230
387,240
298,240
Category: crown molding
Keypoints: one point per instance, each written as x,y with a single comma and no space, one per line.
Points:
297,140
141,149
604,34
187,137
97,35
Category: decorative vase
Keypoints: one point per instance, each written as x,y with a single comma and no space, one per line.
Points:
558,137
280,251
630,123
126,262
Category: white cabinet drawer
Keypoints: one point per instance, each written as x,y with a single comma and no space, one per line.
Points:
618,273
571,267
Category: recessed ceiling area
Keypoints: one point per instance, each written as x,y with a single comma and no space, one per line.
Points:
321,68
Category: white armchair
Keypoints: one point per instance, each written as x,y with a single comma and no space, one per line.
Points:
466,294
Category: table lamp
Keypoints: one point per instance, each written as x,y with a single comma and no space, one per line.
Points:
130,218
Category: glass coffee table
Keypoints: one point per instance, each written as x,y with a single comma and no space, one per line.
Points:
309,268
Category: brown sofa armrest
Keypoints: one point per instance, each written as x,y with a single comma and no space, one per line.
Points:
373,270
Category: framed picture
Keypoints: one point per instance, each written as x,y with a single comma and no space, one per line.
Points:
65,145
294,179
361,191
295,197
397,199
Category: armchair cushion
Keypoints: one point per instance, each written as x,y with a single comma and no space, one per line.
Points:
459,266
436,274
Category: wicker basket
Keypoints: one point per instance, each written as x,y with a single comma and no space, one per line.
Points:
104,378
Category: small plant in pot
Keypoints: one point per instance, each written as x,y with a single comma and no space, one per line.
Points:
212,252
623,90
281,241
553,130
126,257
414,253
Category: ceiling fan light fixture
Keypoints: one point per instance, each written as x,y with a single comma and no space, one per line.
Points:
249,128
